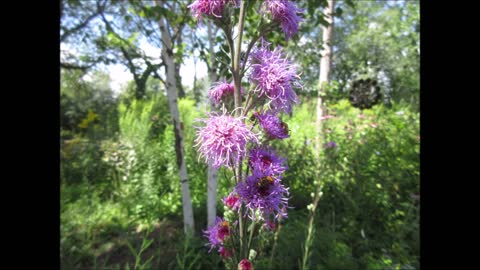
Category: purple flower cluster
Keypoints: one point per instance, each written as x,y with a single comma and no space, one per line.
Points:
264,159
211,7
264,192
223,139
284,12
221,90
272,125
217,233
274,75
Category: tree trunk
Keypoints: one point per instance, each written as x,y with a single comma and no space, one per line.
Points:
324,78
168,59
211,71
212,174
181,91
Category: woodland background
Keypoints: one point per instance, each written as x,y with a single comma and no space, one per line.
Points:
121,203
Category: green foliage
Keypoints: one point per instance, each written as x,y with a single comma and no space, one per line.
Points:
375,39
368,182
380,40
146,243
86,99
188,257
366,215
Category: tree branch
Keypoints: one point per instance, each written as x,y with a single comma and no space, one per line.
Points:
75,66
68,32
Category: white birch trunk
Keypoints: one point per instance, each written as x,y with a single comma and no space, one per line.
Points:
167,56
212,174
324,77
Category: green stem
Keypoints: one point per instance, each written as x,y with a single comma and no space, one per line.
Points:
248,106
275,244
236,60
309,239
234,250
240,229
228,35
238,103
251,234
245,230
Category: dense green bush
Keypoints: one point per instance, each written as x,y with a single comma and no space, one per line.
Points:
368,211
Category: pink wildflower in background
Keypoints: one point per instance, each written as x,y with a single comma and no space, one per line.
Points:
325,117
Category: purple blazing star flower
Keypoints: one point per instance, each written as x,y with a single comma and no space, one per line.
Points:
217,233
211,7
266,160
274,76
224,139
331,144
222,89
272,125
284,12
262,191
